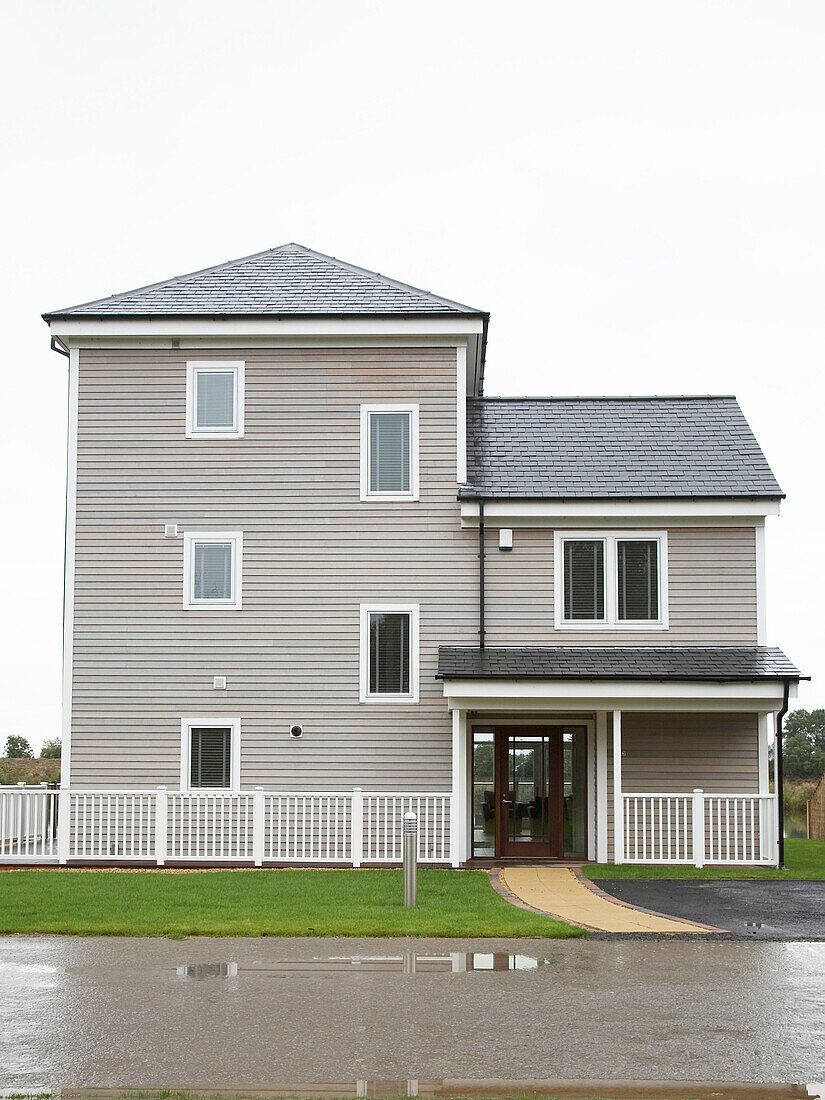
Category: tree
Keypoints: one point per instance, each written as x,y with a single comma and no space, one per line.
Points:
803,744
51,749
18,747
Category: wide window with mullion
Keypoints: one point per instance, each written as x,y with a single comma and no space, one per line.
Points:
210,756
584,580
637,578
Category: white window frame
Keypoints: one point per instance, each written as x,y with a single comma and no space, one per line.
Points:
194,367
189,539
214,721
368,609
611,620
366,412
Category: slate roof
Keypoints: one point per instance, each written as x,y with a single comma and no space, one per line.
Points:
289,280
613,447
713,663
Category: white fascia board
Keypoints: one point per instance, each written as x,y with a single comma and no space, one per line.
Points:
549,513
613,694
82,328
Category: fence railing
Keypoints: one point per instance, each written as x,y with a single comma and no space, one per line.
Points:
213,826
699,828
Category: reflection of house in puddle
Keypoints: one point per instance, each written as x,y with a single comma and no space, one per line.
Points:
406,962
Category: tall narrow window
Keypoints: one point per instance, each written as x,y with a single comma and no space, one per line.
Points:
638,579
214,399
210,756
389,653
584,579
389,452
212,568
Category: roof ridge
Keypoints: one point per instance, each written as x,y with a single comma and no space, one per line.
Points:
386,279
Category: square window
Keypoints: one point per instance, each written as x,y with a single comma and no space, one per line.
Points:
214,399
210,753
389,653
212,568
389,452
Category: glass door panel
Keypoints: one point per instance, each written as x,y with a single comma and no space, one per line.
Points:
529,777
574,750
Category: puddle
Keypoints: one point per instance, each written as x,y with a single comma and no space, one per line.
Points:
561,1090
406,962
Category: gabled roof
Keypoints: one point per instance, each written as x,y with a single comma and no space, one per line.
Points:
289,280
613,447
708,663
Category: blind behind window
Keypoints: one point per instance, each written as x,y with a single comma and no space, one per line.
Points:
215,399
389,452
389,653
213,571
210,756
583,579
638,579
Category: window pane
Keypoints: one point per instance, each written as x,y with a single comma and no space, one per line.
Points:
215,404
210,757
638,579
390,452
389,653
583,579
213,571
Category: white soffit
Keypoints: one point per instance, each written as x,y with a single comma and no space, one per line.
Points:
549,513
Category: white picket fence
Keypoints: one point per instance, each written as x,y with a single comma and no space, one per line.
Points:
700,828
352,827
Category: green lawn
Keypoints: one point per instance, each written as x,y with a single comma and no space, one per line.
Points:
262,903
803,859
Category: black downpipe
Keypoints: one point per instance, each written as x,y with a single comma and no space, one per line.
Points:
481,574
779,778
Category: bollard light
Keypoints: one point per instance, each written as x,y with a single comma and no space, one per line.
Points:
410,857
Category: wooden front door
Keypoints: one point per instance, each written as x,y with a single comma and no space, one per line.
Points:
529,792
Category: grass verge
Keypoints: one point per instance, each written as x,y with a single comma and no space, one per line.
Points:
366,902
804,859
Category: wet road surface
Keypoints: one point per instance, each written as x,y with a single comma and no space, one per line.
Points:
761,909
94,1012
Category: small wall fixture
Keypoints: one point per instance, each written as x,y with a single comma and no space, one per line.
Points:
505,538
170,531
296,731
219,682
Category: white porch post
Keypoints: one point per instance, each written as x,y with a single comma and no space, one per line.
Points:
458,801
601,786
618,805
768,840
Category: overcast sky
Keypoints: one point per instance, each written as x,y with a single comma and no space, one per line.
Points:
634,190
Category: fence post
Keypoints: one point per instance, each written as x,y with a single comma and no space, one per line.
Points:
63,822
161,825
258,826
357,827
698,816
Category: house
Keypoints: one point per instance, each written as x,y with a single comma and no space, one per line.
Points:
315,578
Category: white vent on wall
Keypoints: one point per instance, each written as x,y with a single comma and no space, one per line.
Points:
505,538
219,682
170,531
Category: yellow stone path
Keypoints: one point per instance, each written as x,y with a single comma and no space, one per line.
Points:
560,892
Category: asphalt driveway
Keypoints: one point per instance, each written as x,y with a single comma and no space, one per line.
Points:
751,909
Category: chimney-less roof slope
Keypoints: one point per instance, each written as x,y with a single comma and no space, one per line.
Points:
613,447
289,280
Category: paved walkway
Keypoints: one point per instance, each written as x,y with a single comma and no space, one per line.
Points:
562,893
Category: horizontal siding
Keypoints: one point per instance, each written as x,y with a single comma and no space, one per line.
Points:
678,752
711,591
312,552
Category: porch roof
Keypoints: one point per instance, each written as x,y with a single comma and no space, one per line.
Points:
716,664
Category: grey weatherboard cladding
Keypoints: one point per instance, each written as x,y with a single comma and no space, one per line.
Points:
710,663
596,448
